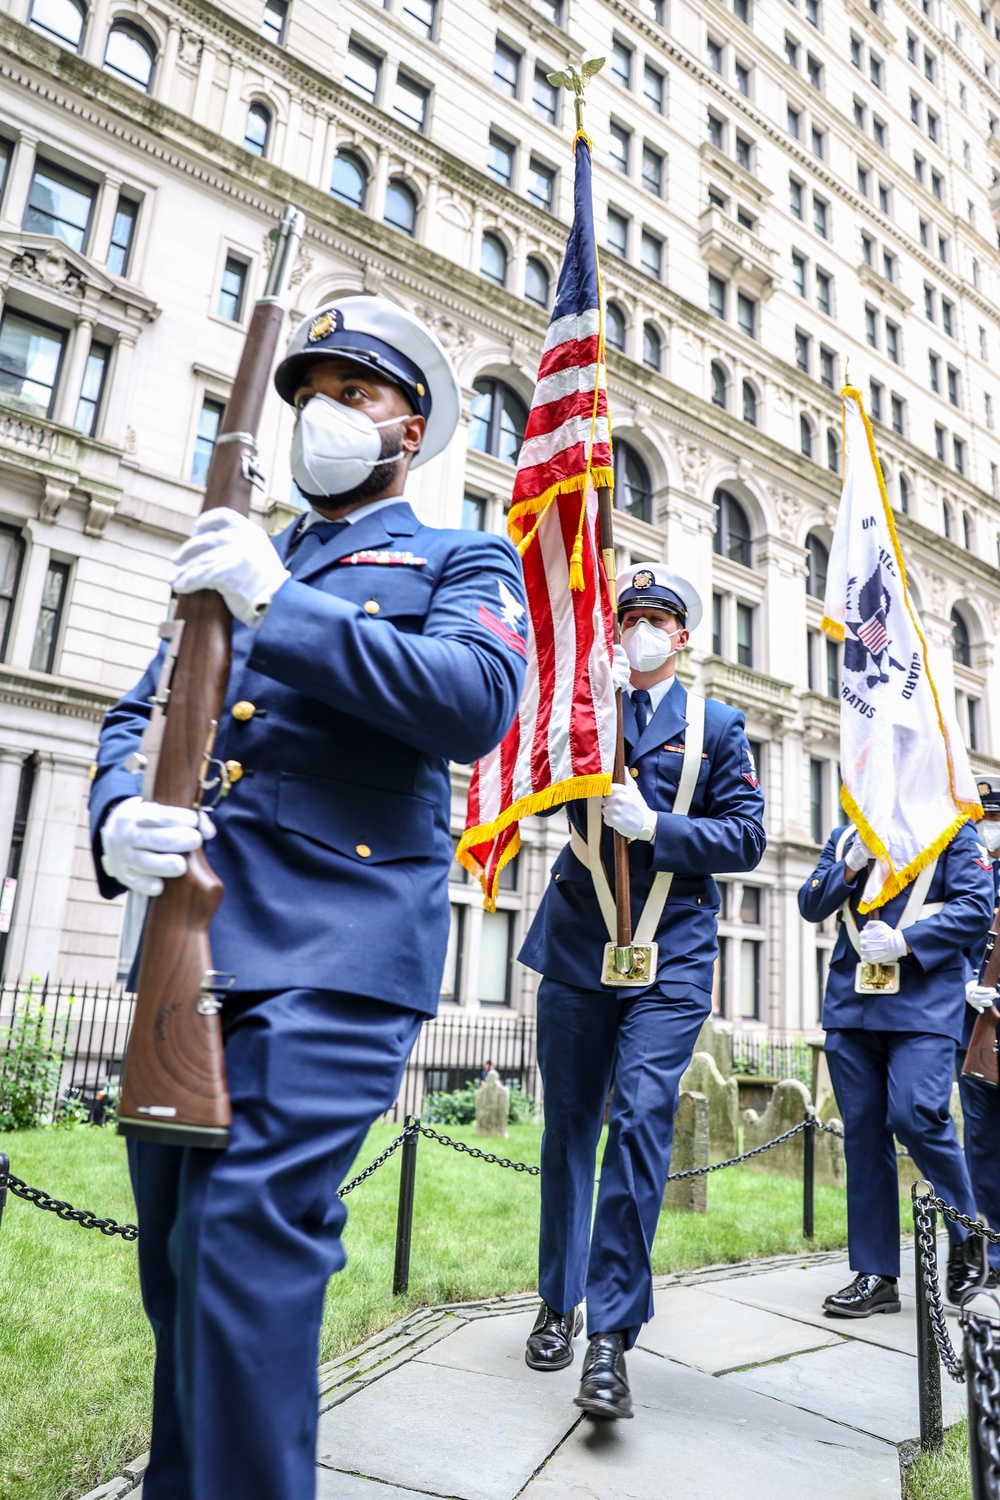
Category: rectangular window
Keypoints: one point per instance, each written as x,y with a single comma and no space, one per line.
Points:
410,102
855,51
750,980
821,217
716,295
43,651
871,326
208,431
653,88
545,98
832,669
652,171
506,69
859,114
911,48
884,199
750,905
943,248
11,555
795,198
818,142
88,408
713,55
717,624
918,167
934,372
812,648
716,131
876,400
620,149
716,200
30,356
937,186
812,13
746,315
892,344
953,389
651,254
233,289
500,160
802,351
741,10
799,274
363,72
988,405
888,266
972,706
746,219
876,71
933,124
930,66
541,184
915,109
939,436
925,233
496,942
60,203
947,317
879,133
814,72
794,123
617,233
864,181
744,634
928,303
744,153
741,75
272,24
867,249
451,979
621,63
791,52
898,416
827,368
958,447
121,235
817,809
552,9
419,16
473,513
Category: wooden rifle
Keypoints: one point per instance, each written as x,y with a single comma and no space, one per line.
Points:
174,1085
981,1060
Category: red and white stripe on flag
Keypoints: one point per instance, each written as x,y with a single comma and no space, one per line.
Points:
561,745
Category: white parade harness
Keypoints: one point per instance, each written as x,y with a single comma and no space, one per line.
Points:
883,978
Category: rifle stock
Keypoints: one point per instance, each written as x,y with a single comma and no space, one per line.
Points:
174,1084
981,1060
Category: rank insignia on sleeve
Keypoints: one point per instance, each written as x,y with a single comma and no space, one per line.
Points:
385,559
507,635
982,858
750,769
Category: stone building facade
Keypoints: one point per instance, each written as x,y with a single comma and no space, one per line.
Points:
781,187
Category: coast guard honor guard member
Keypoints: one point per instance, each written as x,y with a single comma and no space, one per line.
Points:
692,807
893,1014
368,650
980,1102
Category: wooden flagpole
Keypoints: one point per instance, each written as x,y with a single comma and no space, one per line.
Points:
623,888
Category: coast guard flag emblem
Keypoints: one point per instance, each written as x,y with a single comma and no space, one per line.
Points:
908,786
561,745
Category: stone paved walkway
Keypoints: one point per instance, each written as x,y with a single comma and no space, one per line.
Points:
743,1391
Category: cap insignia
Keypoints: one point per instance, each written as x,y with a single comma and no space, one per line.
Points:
320,327
642,580
984,789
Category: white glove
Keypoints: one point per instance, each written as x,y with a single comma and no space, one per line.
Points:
626,811
858,854
621,668
880,943
231,554
980,996
145,842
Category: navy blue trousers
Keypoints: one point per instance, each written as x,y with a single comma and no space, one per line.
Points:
894,1083
981,1109
586,1038
236,1246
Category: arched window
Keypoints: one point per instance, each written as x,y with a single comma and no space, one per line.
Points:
832,451
718,386
258,129
130,54
536,282
493,260
749,404
349,179
946,516
904,494
967,530
732,529
401,206
498,418
633,490
652,347
805,437
819,562
614,326
961,646
61,20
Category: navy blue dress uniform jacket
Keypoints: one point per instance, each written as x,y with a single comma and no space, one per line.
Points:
335,845
932,978
975,958
723,833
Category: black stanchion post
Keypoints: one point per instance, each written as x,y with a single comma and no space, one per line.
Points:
979,1459
404,1218
809,1177
4,1169
928,1360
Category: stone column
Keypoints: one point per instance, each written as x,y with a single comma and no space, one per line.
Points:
71,382
117,403
167,63
318,155
19,179
203,87
96,36
379,185
234,114
289,157
519,264
39,534
47,864
476,238
11,762
104,218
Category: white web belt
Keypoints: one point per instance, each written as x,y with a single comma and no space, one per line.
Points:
915,909
588,851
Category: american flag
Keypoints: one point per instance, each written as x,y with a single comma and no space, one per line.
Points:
561,745
874,635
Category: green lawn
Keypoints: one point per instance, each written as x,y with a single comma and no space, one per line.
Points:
944,1475
75,1353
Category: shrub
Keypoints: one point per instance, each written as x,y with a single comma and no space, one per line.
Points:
459,1107
32,1051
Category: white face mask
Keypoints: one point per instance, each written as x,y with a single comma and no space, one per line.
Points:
990,835
646,647
335,448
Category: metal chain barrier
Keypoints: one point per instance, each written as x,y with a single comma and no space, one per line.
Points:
487,1156
957,1217
982,1363
63,1210
380,1160
927,1250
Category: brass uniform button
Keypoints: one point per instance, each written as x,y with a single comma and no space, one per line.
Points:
372,607
93,770
362,850
244,710
814,884
234,770
634,771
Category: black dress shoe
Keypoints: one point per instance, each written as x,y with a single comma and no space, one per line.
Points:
967,1268
550,1342
865,1295
993,1280
604,1388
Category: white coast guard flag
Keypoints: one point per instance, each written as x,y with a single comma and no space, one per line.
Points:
908,786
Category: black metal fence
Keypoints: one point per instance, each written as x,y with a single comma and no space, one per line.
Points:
755,1056
85,1028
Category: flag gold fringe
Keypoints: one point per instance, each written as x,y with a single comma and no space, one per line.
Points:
898,881
569,790
832,628
539,504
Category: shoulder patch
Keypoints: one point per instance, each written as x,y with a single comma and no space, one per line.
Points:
509,636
